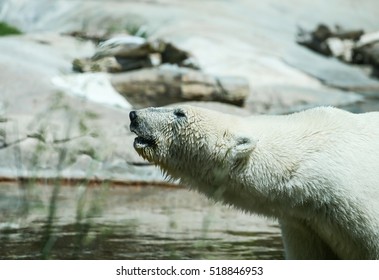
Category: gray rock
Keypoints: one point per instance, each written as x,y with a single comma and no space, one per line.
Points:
95,87
126,46
368,54
167,84
259,46
106,64
31,61
333,72
284,99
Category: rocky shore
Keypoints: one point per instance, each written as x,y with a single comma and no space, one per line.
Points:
55,124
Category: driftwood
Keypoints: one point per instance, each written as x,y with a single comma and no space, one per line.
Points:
170,84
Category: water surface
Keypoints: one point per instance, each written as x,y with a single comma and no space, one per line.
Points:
78,222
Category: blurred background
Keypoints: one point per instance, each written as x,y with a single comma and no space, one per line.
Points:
71,184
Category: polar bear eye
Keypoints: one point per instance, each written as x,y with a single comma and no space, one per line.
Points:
179,113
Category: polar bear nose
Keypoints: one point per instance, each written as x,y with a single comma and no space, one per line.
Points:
132,115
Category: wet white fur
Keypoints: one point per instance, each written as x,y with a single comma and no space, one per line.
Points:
316,171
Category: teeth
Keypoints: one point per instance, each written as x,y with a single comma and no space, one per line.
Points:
139,145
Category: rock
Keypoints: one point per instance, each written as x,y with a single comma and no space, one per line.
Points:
133,52
96,37
367,39
92,86
63,143
319,39
342,49
368,54
168,84
106,64
353,35
39,57
128,64
259,46
350,46
315,40
366,51
173,55
127,46
126,53
284,99
334,73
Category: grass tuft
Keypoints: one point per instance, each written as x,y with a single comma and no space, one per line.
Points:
6,29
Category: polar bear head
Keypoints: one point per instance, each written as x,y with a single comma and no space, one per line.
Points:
190,142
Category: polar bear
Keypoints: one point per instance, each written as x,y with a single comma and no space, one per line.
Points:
316,171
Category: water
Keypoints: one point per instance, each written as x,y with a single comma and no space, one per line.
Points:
127,223
369,105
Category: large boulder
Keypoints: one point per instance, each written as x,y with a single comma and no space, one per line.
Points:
167,84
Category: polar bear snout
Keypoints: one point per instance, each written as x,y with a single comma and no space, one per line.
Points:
140,127
133,122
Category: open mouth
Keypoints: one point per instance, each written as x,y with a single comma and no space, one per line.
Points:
143,142
143,139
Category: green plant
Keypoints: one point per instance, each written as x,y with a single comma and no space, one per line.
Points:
53,146
6,29
137,29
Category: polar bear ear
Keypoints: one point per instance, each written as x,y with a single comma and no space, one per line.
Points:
244,146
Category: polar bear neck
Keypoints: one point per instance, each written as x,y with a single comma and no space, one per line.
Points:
269,177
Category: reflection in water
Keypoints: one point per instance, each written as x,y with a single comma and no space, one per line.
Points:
128,223
117,242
